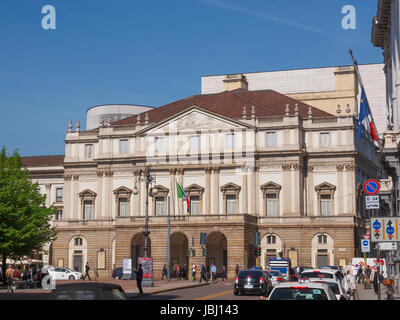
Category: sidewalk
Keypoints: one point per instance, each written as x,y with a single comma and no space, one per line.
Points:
369,294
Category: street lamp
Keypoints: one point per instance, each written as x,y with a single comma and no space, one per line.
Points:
145,176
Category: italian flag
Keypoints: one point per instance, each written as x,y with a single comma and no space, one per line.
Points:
182,195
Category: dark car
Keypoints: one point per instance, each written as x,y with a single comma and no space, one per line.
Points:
88,291
119,272
252,281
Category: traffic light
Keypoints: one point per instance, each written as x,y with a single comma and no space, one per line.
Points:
257,251
188,252
193,252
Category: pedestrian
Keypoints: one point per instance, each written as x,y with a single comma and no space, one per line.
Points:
359,274
164,272
203,274
139,278
214,272
237,269
10,279
77,268
87,268
178,272
96,273
185,272
181,273
350,284
194,268
224,276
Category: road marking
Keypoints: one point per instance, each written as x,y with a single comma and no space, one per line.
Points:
211,296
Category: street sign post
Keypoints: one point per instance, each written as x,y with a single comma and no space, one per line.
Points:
371,187
365,245
372,202
385,229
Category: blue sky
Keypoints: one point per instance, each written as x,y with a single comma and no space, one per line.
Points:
152,53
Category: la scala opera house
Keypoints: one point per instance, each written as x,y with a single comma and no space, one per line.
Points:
248,162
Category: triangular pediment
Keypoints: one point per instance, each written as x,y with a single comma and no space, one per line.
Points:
230,186
194,187
325,186
195,118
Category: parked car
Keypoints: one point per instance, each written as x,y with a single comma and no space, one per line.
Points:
252,281
335,286
88,291
276,277
118,273
64,274
302,291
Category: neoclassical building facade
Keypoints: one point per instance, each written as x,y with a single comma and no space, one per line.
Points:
249,161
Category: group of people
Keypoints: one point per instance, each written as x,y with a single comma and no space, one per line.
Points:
371,275
206,272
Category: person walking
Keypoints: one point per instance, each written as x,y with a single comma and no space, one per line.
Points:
87,268
237,269
203,274
185,272
164,272
10,279
224,277
350,285
214,272
194,268
77,268
359,274
139,278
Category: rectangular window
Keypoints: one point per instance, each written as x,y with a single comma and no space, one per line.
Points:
87,210
271,205
230,140
159,144
59,194
325,205
194,144
324,140
195,205
271,139
58,215
123,146
88,151
160,206
231,204
123,207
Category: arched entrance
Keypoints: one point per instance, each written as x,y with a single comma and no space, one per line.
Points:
179,247
322,250
137,248
217,250
271,245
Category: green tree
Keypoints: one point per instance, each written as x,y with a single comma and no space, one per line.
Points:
25,221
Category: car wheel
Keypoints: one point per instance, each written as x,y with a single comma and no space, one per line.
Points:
71,278
235,292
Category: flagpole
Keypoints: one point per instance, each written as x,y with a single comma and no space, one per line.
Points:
365,94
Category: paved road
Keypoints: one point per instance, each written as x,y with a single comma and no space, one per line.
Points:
222,290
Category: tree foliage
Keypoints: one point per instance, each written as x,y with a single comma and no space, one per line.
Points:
25,221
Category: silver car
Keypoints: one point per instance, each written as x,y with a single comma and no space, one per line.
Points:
302,291
276,277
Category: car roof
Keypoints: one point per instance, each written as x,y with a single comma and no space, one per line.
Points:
322,280
317,285
87,285
321,270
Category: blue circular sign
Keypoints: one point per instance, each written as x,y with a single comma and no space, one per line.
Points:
365,243
390,230
376,225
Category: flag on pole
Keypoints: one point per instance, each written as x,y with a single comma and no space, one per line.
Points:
365,118
182,195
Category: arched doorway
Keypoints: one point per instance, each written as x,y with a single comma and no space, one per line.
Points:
217,250
77,255
179,247
137,248
271,245
322,250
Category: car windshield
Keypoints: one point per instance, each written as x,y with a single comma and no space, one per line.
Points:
317,275
298,293
334,287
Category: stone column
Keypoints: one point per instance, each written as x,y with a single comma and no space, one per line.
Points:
341,194
108,211
244,202
286,190
100,196
67,197
207,193
76,207
216,191
310,191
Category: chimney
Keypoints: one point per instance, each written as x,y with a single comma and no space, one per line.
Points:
235,81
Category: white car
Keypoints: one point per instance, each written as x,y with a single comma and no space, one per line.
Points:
302,291
64,274
276,277
323,274
335,285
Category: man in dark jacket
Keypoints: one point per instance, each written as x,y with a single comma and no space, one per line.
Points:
139,277
87,268
203,274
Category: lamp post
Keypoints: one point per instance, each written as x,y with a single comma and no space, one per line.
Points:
148,179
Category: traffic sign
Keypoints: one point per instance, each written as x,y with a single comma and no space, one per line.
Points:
372,202
365,245
388,246
371,187
385,229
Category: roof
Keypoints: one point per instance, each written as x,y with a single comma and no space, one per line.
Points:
43,161
267,103
87,285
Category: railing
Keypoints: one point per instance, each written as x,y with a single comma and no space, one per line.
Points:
324,120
